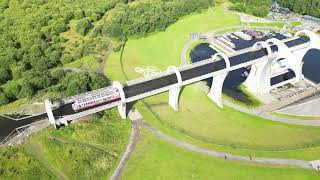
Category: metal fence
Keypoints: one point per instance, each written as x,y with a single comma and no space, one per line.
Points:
15,133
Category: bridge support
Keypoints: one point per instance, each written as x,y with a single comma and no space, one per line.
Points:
255,81
122,108
289,61
175,92
48,106
215,93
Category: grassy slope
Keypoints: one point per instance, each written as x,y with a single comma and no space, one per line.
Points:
87,150
16,163
83,150
163,48
223,126
88,62
297,117
154,158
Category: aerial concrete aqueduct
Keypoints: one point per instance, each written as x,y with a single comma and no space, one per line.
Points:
258,80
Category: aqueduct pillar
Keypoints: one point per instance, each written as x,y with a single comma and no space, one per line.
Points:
215,93
122,108
175,92
254,82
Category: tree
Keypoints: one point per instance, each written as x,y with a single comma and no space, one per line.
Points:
66,58
3,99
4,75
58,74
96,82
83,26
12,89
26,90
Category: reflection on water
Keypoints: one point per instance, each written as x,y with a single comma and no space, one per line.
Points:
311,66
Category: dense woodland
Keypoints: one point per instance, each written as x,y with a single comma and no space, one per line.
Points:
139,19
34,45
305,7
261,7
258,8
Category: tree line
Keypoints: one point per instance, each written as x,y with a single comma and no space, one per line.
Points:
258,8
305,7
142,17
261,7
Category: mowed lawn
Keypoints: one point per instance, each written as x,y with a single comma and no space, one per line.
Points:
163,49
155,158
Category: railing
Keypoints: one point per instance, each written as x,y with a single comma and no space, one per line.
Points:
15,133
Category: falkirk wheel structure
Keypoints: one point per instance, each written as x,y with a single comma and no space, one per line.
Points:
258,80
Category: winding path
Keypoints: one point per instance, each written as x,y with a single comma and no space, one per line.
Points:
138,121
227,156
131,145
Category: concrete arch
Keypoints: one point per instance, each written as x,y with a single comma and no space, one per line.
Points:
175,92
254,82
264,45
224,57
176,70
314,38
122,108
215,92
291,62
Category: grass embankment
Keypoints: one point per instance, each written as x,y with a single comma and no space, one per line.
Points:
255,102
163,49
87,62
266,24
155,158
81,151
199,121
296,117
16,163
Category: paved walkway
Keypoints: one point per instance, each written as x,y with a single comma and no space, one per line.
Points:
309,108
135,117
227,156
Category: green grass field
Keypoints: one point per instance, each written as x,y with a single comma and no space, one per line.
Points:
163,49
155,158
